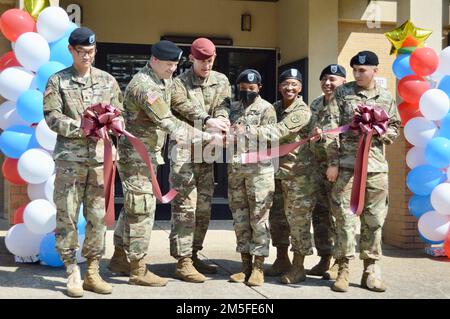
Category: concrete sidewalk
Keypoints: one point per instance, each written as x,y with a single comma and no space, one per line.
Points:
409,274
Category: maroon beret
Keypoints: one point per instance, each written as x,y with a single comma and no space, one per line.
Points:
203,49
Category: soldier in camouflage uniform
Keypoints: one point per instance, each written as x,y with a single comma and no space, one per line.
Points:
149,123
191,174
250,186
79,160
346,99
293,117
326,165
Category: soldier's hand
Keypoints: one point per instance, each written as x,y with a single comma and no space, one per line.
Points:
332,173
218,140
318,134
238,129
221,124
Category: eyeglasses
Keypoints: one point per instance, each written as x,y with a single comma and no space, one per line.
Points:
82,53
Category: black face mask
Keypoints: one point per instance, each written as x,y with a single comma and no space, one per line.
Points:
247,97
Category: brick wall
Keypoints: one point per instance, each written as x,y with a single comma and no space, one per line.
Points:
400,229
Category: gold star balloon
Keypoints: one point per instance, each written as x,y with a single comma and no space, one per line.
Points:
34,7
407,36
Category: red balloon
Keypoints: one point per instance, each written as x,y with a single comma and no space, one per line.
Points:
408,111
14,22
412,87
424,61
9,170
8,60
18,215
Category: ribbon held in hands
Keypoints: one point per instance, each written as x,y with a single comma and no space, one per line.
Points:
369,121
97,121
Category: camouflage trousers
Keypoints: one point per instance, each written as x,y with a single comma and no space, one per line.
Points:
322,220
250,198
191,208
279,226
299,203
372,217
76,183
135,223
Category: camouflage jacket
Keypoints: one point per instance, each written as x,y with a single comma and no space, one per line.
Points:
150,123
260,112
326,150
66,97
293,124
347,98
211,96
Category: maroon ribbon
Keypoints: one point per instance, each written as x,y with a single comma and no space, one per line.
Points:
97,121
369,121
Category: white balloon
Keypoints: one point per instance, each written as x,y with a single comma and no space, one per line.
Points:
21,242
45,136
42,191
52,23
14,81
440,199
415,157
40,216
35,166
434,104
434,226
419,131
80,258
9,116
32,50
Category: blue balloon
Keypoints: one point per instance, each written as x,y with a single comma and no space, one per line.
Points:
425,240
444,85
437,152
423,179
48,253
45,71
15,140
419,205
444,128
72,26
59,52
401,67
30,106
81,225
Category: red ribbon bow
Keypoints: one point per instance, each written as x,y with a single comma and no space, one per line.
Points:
97,121
369,121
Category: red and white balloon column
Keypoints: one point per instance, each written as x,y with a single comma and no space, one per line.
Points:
424,86
39,50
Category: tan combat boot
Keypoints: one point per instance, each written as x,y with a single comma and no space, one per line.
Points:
342,282
332,273
201,266
244,275
139,275
186,271
321,267
281,265
119,263
371,278
257,275
92,280
74,284
297,272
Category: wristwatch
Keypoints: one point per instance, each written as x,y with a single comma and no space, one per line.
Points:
206,119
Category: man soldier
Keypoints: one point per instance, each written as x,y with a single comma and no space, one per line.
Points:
79,160
149,123
208,92
347,97
326,164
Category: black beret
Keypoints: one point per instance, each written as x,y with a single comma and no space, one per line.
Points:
365,58
334,69
82,36
249,76
290,74
166,51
